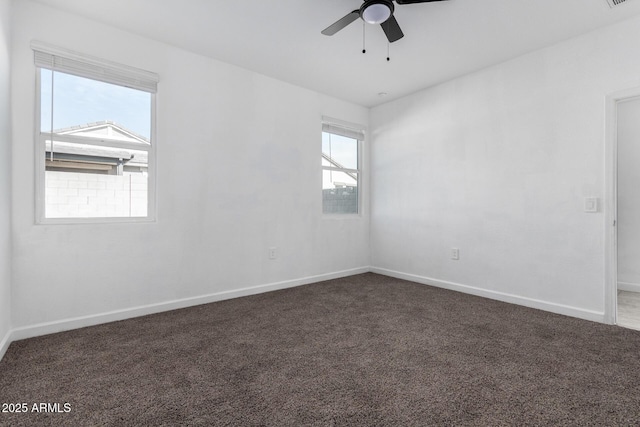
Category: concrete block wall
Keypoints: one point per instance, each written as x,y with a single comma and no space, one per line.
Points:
340,200
81,195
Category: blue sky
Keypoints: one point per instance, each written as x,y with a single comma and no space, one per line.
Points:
78,101
342,149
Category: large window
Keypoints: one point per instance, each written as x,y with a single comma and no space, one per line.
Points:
94,140
340,169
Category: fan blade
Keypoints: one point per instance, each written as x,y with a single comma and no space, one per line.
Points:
341,23
392,29
415,1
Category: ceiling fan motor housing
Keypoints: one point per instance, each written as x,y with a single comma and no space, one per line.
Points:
376,11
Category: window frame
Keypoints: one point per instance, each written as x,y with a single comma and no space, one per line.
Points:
41,138
353,131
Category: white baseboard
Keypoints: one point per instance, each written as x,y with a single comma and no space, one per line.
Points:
113,316
500,296
629,287
91,320
4,344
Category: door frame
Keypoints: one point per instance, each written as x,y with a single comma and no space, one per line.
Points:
611,201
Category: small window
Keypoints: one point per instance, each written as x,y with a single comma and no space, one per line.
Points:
95,139
340,169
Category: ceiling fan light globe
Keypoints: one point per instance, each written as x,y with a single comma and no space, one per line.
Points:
376,13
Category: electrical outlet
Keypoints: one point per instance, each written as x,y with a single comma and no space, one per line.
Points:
455,253
273,253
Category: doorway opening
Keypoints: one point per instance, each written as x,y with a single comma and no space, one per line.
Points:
622,217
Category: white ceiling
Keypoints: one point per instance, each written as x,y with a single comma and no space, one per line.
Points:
282,38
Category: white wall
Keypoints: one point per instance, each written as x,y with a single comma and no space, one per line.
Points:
5,176
498,163
249,148
628,195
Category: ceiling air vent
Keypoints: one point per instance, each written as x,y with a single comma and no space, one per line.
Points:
614,3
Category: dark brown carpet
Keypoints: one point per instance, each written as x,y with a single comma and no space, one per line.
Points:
364,350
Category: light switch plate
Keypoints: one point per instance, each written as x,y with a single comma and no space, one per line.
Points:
591,204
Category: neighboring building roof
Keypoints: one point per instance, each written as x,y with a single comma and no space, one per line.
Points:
334,163
94,153
88,150
102,129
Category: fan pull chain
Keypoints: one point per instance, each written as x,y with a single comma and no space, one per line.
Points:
364,30
388,51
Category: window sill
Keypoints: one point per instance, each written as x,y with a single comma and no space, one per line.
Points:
357,216
97,220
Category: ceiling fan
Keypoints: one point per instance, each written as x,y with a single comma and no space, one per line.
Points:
375,12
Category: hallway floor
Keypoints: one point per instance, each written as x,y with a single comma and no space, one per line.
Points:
629,309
